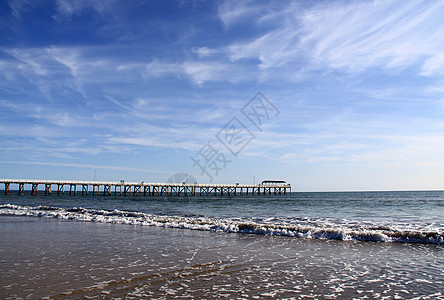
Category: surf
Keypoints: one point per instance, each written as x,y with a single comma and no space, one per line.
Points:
297,228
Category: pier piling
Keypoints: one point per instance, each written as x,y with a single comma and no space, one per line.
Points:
149,189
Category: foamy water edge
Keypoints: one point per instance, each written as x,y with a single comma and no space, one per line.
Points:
344,233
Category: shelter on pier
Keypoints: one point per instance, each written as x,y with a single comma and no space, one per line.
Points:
265,182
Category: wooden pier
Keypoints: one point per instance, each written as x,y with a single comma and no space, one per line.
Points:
123,188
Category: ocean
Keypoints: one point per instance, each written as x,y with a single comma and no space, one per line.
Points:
329,245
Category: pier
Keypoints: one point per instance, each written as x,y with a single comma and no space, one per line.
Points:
123,188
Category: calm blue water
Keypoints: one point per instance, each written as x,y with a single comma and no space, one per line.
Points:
365,216
288,247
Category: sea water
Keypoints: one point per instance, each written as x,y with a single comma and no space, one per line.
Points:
302,245
364,216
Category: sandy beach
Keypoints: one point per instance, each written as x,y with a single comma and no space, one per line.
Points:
70,260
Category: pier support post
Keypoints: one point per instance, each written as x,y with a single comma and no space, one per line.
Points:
60,189
146,189
155,190
71,186
98,189
136,190
120,189
34,189
85,189
126,189
48,189
21,189
7,191
107,190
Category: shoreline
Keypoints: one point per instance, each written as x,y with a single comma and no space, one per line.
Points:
49,257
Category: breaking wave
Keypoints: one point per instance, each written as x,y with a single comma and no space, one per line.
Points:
275,227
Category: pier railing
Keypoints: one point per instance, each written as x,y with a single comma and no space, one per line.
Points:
124,188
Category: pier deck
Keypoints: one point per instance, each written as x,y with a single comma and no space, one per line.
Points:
124,188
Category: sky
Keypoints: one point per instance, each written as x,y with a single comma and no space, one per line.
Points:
327,95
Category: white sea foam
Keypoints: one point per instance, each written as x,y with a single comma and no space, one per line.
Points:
301,228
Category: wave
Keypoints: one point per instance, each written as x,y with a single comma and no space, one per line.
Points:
275,227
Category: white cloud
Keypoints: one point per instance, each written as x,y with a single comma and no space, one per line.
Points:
68,57
204,52
68,8
19,6
231,12
11,106
434,66
62,119
201,72
86,166
358,36
155,141
34,60
406,151
157,68
198,72
351,37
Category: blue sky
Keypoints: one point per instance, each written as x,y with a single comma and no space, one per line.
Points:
136,89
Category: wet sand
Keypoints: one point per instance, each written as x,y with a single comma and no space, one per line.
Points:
69,260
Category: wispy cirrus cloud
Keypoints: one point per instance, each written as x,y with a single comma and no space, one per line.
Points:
351,37
198,71
372,34
80,66
231,12
87,166
434,66
66,9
